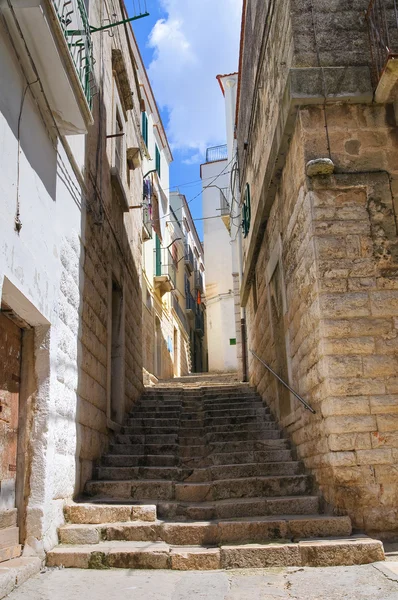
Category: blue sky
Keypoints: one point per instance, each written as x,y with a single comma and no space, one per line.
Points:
185,44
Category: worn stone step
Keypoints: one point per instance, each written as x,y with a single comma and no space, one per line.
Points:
139,460
200,533
159,555
136,449
248,487
152,422
278,455
87,513
155,414
16,571
249,445
147,439
236,412
238,507
214,473
230,436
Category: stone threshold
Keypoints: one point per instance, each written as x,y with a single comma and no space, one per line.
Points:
16,571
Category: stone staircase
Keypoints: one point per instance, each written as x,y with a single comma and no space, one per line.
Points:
201,477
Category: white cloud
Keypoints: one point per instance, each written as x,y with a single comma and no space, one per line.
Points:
198,40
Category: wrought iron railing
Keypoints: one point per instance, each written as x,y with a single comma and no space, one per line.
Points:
165,265
73,18
188,255
199,322
216,153
199,281
180,313
147,221
382,18
224,204
190,302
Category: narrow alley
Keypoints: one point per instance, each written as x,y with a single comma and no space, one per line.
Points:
198,299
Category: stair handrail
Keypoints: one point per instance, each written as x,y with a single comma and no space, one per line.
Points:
307,406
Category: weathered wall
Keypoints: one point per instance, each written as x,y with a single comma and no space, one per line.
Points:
334,241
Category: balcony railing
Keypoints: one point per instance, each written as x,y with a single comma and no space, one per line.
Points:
165,266
190,303
180,313
382,18
200,323
216,153
188,257
72,16
146,223
199,281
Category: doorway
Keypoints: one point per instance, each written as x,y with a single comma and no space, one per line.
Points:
10,373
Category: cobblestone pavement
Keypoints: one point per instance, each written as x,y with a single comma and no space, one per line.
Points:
374,582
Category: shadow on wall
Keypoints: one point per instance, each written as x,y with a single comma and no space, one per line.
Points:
110,336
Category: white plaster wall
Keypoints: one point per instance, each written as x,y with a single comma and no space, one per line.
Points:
219,280
41,265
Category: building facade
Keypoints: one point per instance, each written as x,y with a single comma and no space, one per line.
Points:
71,176
316,136
221,327
190,289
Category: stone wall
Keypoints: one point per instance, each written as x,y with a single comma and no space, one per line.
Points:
334,241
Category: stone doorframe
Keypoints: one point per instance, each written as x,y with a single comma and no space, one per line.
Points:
274,261
34,391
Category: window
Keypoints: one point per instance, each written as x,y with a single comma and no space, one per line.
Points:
144,126
157,159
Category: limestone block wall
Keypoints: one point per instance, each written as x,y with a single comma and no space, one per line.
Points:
334,241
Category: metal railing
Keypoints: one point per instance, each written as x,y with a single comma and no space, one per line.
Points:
147,221
165,265
180,313
224,204
199,281
216,153
200,322
73,18
307,406
382,18
188,255
190,302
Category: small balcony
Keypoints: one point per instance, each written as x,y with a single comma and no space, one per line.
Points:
199,282
180,313
165,271
216,153
147,230
190,305
225,209
382,18
58,38
200,323
188,257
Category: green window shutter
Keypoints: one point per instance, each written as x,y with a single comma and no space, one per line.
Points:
157,159
158,266
144,128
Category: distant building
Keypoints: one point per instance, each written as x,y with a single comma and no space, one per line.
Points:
190,290
221,326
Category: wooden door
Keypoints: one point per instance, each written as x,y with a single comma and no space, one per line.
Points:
10,368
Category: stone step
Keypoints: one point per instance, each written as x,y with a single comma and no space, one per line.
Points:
249,445
213,473
200,533
238,507
139,460
87,513
140,449
249,487
155,413
230,437
159,555
152,422
16,571
277,455
182,431
166,439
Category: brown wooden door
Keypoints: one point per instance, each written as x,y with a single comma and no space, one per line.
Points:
10,368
